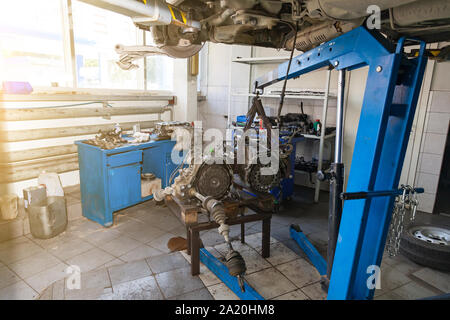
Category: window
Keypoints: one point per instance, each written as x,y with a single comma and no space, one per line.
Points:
31,43
35,46
159,73
159,69
96,32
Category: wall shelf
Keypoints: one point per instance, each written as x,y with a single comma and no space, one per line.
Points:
253,61
311,136
311,97
261,60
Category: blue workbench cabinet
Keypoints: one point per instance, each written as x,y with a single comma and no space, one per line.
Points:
110,180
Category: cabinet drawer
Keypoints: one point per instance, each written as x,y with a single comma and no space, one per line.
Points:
122,159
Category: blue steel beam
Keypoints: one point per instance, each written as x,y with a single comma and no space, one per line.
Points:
354,49
393,137
308,248
221,271
387,113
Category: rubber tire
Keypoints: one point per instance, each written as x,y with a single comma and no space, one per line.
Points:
424,253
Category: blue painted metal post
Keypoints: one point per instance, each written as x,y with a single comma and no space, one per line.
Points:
379,152
221,271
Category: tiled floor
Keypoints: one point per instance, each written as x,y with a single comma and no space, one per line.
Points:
131,260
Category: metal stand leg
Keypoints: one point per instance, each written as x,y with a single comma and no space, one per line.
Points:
195,252
188,240
337,180
322,134
334,213
265,238
242,230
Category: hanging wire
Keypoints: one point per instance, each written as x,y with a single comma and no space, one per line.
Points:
283,91
180,166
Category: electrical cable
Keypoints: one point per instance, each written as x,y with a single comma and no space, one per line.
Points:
283,91
180,166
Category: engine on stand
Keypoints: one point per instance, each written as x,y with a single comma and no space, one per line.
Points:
211,182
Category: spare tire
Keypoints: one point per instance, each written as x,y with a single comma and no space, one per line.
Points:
427,242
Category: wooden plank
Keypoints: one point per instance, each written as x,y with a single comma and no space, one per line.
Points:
31,154
15,176
25,165
31,164
55,96
36,134
68,112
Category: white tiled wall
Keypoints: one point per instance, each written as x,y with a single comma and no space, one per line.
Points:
214,110
432,149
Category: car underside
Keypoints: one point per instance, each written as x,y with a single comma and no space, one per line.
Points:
180,27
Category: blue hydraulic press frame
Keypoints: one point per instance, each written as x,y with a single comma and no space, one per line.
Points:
390,100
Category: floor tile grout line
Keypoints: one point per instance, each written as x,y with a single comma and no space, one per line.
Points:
310,298
288,293
423,282
60,261
21,279
190,292
110,280
308,285
130,236
156,280
95,247
7,264
151,269
51,283
24,279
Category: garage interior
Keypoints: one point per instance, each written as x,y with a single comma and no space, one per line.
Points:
94,206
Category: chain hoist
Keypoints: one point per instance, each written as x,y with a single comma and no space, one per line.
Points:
405,203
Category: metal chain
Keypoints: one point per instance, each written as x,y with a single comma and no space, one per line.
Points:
407,202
